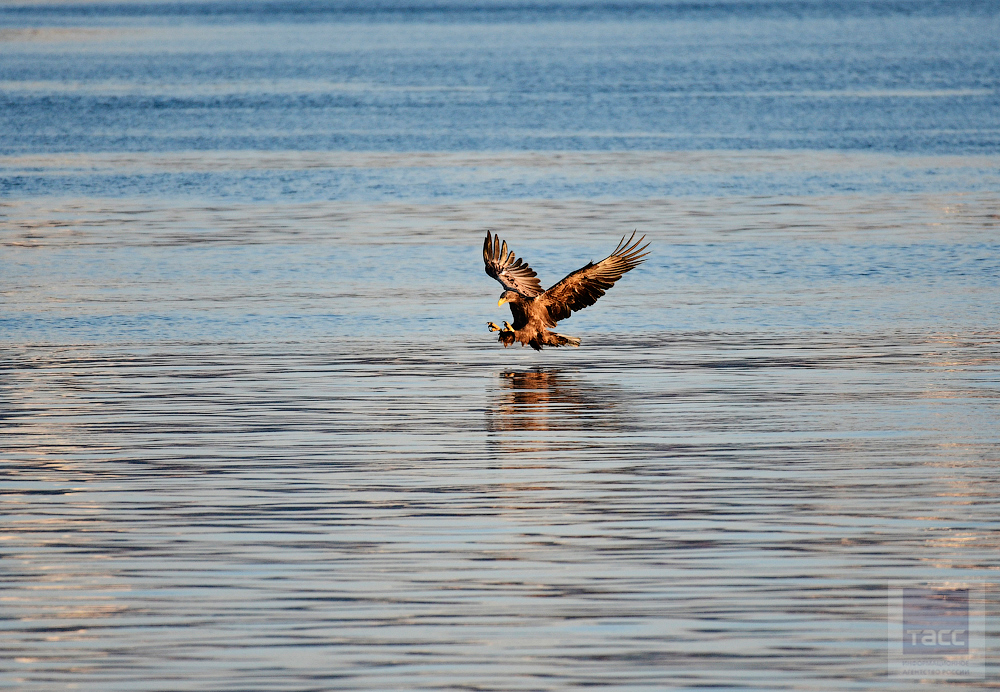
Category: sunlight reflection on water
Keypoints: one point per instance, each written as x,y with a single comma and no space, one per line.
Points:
622,514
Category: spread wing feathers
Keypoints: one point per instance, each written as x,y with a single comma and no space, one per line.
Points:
584,286
513,273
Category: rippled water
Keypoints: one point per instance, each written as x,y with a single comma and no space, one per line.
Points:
431,75
255,435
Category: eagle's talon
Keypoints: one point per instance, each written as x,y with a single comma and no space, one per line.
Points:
506,335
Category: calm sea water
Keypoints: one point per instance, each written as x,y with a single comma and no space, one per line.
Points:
254,434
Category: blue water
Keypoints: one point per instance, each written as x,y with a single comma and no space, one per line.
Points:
254,434
911,77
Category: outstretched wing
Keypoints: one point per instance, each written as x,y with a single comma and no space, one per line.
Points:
514,274
584,286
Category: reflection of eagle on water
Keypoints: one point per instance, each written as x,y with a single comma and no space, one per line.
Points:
536,311
550,400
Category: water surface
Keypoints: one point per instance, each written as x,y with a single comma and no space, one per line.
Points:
255,435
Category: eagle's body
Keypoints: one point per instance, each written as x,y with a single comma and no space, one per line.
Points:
536,311
532,322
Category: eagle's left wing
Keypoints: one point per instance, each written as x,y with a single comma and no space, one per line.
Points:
584,286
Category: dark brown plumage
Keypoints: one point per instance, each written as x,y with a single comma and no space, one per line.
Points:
536,311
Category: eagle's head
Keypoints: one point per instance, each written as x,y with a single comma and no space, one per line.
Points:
509,297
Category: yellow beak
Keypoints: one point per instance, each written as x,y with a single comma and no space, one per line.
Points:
501,302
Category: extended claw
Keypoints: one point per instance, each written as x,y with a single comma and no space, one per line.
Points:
506,335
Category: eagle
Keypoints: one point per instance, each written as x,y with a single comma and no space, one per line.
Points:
536,311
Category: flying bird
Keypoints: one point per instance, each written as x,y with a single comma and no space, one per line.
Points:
536,311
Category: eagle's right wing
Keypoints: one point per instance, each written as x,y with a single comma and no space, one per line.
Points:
513,273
